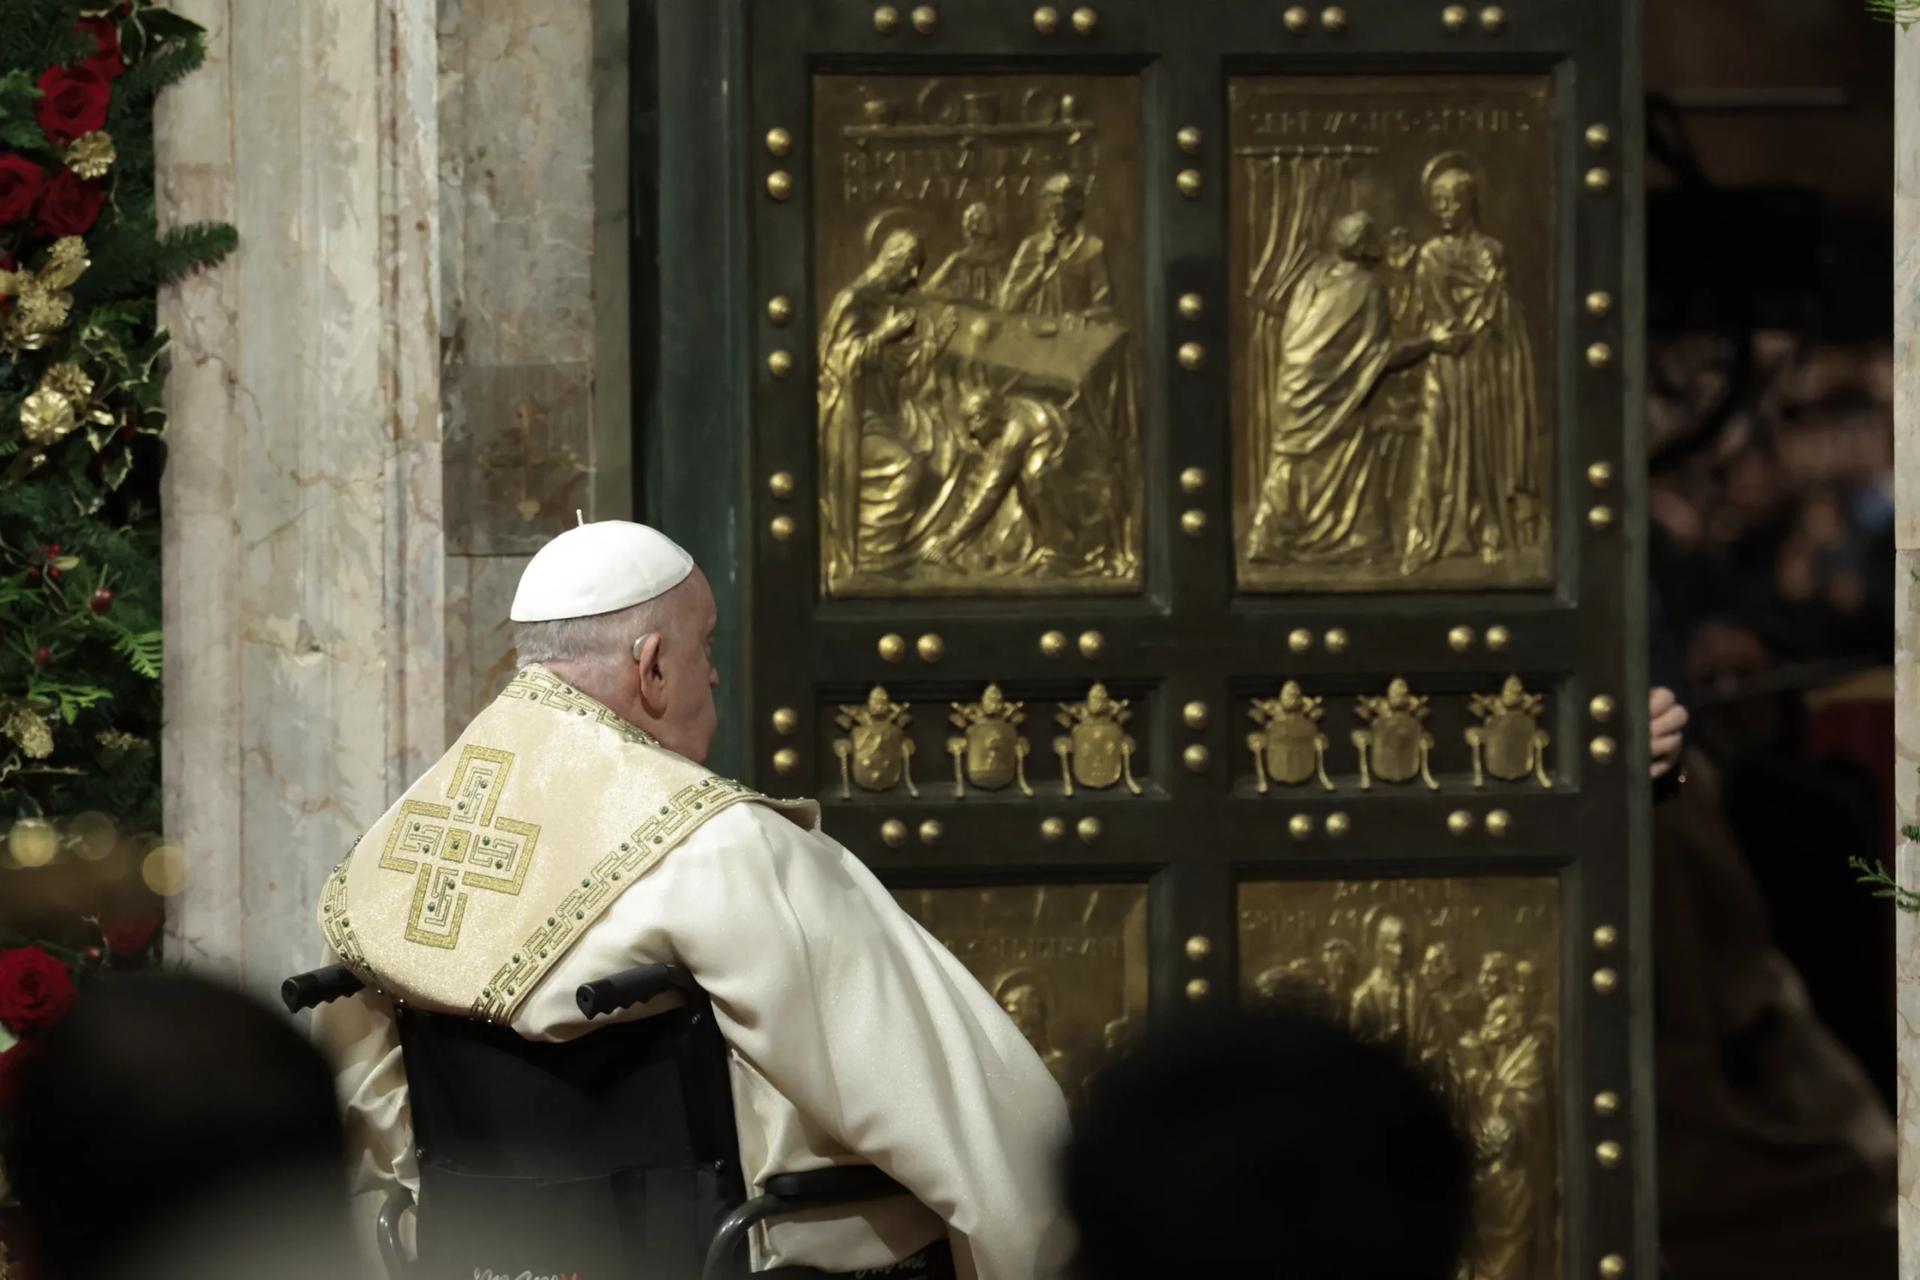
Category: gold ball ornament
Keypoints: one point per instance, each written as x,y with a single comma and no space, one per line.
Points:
92,836
33,842
1300,826
1613,1267
164,870
893,833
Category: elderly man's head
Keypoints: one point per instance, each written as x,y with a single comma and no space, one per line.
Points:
1356,238
651,664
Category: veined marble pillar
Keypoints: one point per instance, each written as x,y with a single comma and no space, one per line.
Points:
304,551
408,378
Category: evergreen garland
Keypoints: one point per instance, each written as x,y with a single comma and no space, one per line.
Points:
81,417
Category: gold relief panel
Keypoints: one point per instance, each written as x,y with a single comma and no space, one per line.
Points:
1463,975
1067,962
1393,364
977,247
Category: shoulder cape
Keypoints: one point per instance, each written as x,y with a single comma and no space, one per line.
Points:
470,888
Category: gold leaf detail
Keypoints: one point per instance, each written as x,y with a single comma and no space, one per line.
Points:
91,155
46,416
31,732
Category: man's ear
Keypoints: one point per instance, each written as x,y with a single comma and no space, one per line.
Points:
650,681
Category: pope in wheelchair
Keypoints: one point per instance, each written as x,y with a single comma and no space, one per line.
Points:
598,1012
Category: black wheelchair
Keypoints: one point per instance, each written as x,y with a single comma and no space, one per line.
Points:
612,1155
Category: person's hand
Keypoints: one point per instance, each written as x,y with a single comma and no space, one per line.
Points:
897,324
1668,721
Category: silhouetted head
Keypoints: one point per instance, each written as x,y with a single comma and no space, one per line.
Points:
1269,1144
169,1116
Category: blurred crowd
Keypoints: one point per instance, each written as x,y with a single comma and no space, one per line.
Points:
1772,501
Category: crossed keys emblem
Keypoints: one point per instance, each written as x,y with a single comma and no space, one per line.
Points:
453,849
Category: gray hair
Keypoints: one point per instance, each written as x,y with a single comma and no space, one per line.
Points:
601,640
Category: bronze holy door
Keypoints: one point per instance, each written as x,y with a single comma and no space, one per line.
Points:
1189,542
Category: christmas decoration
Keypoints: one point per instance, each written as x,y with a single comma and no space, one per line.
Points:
82,365
81,374
91,155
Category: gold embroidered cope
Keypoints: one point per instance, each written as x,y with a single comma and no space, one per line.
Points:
501,855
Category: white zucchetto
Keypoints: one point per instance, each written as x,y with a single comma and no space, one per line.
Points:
598,568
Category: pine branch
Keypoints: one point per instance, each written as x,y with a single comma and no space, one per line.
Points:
1884,885
1904,12
172,63
183,250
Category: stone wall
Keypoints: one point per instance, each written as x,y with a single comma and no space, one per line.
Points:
381,405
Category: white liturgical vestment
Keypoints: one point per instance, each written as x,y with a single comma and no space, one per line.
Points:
853,1035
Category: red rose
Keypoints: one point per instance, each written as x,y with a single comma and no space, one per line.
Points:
73,101
72,205
106,61
21,183
35,989
130,937
12,1063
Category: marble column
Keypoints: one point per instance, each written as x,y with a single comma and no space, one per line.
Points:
303,520
413,372
1906,411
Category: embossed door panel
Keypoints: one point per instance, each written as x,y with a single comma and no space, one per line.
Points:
1461,974
1392,272
1068,962
1178,473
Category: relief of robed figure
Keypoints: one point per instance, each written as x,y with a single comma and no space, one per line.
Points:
1476,478
1324,494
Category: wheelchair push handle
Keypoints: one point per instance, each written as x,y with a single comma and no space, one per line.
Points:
632,986
318,987
792,1193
